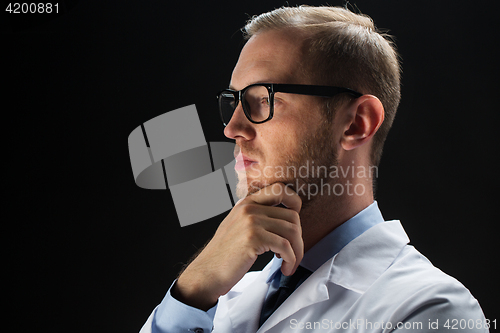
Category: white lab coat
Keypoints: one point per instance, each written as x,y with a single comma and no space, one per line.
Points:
376,283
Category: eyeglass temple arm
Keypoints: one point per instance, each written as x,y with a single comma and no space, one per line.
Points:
321,91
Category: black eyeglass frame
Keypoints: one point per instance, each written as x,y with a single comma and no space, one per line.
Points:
272,88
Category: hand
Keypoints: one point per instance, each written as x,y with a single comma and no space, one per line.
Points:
254,226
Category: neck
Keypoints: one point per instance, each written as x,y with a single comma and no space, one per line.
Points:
323,213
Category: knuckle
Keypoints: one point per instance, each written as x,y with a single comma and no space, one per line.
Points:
251,236
251,220
247,209
285,243
294,228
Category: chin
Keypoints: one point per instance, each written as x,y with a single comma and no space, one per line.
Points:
246,187
241,191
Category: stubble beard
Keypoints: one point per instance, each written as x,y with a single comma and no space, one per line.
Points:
316,151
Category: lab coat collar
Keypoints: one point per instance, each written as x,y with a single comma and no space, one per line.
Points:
366,257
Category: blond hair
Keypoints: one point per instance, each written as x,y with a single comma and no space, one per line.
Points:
344,49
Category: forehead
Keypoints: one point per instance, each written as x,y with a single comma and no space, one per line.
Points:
270,57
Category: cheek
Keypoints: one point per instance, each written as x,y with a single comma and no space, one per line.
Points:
283,138
283,146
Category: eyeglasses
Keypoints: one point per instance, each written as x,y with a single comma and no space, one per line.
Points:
257,99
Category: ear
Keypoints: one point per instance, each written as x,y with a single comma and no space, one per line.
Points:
365,116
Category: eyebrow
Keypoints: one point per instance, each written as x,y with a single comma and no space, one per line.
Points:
258,82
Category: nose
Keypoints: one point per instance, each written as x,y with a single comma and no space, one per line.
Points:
239,126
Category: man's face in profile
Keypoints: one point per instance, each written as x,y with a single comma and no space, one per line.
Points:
298,133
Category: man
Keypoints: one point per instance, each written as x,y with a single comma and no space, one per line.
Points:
310,102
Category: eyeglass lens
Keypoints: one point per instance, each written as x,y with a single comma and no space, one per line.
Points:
256,104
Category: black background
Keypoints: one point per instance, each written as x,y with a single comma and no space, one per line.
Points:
89,251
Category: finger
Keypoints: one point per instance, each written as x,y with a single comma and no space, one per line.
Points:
282,247
292,233
278,193
281,213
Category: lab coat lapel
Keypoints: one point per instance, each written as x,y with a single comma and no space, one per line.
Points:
354,268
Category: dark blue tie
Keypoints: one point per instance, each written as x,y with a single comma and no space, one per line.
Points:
287,286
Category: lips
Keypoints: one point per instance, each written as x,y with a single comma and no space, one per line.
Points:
243,162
